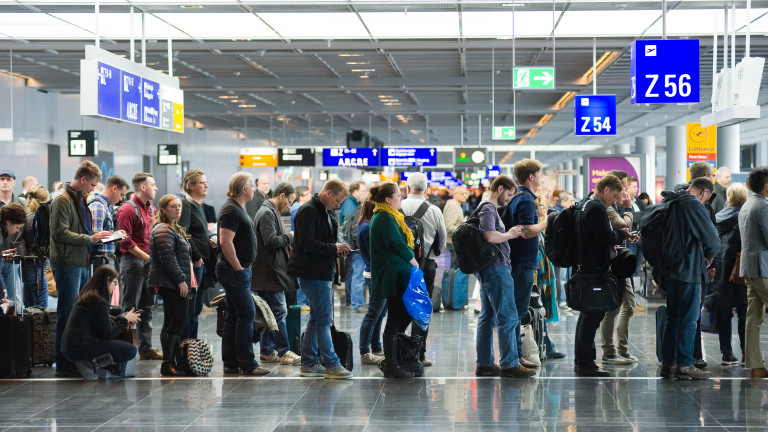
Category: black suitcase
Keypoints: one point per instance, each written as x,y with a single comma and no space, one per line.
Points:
15,360
661,326
342,344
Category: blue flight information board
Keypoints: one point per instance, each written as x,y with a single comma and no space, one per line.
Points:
409,157
109,90
150,99
492,171
665,71
131,91
594,115
351,157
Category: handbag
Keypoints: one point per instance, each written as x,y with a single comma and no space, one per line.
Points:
593,292
735,278
194,357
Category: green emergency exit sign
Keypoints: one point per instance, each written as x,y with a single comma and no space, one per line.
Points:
503,133
534,78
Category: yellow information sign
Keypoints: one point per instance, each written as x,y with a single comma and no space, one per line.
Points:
701,145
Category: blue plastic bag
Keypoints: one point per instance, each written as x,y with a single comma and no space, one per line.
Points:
416,299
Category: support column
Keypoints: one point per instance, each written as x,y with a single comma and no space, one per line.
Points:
729,147
676,158
578,187
569,178
761,154
646,146
623,148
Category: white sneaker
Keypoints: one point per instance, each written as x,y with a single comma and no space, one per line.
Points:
617,360
629,356
269,358
290,358
370,359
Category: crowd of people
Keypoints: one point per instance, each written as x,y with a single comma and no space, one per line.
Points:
107,247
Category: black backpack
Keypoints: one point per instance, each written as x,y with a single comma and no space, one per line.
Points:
473,253
41,229
663,243
560,243
416,225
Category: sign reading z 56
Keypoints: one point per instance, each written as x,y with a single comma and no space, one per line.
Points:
665,71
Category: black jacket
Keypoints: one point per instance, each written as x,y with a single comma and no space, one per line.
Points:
721,292
194,222
270,269
169,259
253,206
597,237
314,246
88,322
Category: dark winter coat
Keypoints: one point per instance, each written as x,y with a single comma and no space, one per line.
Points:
270,269
314,246
170,260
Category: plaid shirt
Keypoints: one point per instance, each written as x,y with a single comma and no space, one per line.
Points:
101,220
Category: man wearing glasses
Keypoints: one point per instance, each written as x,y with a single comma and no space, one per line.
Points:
683,280
101,205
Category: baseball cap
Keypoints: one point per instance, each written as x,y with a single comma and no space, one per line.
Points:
8,172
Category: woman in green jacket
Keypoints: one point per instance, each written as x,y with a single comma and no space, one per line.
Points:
391,251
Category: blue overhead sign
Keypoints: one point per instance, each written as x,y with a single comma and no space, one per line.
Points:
131,97
492,171
595,115
108,90
409,157
665,71
351,157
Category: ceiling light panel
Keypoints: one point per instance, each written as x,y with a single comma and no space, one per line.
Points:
316,25
499,24
703,22
117,26
424,25
231,25
605,23
40,26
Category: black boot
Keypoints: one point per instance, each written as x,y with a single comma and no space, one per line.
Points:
390,365
170,344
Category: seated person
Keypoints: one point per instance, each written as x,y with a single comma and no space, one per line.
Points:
89,336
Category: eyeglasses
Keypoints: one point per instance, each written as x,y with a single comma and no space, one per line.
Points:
202,183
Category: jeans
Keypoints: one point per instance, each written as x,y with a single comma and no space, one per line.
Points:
584,342
497,295
454,256
69,281
317,345
561,273
34,294
348,268
195,305
237,335
725,316
277,340
134,273
121,351
683,309
370,328
301,299
523,278
357,281
12,276
430,269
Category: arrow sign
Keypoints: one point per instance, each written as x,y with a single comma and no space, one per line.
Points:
503,133
534,78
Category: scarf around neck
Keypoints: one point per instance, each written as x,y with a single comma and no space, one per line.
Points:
399,218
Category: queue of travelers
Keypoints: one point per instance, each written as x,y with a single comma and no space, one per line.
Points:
169,250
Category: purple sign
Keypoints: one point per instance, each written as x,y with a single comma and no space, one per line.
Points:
108,90
131,92
150,106
598,166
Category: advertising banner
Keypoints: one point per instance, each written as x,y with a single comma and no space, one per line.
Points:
598,166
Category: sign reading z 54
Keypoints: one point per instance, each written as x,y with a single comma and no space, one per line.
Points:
665,71
595,115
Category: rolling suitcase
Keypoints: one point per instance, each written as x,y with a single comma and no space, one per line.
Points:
293,325
454,289
342,344
539,326
14,357
661,326
42,337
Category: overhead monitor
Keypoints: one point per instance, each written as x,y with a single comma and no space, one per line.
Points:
409,157
351,157
83,142
295,157
168,154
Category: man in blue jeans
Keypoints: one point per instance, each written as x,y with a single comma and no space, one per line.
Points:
497,292
524,250
313,261
238,251
683,280
70,228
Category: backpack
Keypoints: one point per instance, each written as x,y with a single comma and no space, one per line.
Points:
662,239
41,229
560,243
473,253
194,357
416,225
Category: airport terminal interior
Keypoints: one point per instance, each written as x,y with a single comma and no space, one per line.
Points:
370,90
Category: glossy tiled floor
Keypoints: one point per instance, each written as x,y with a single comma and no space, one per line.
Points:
449,398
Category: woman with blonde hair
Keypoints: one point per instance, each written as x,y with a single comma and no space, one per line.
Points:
33,269
170,273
